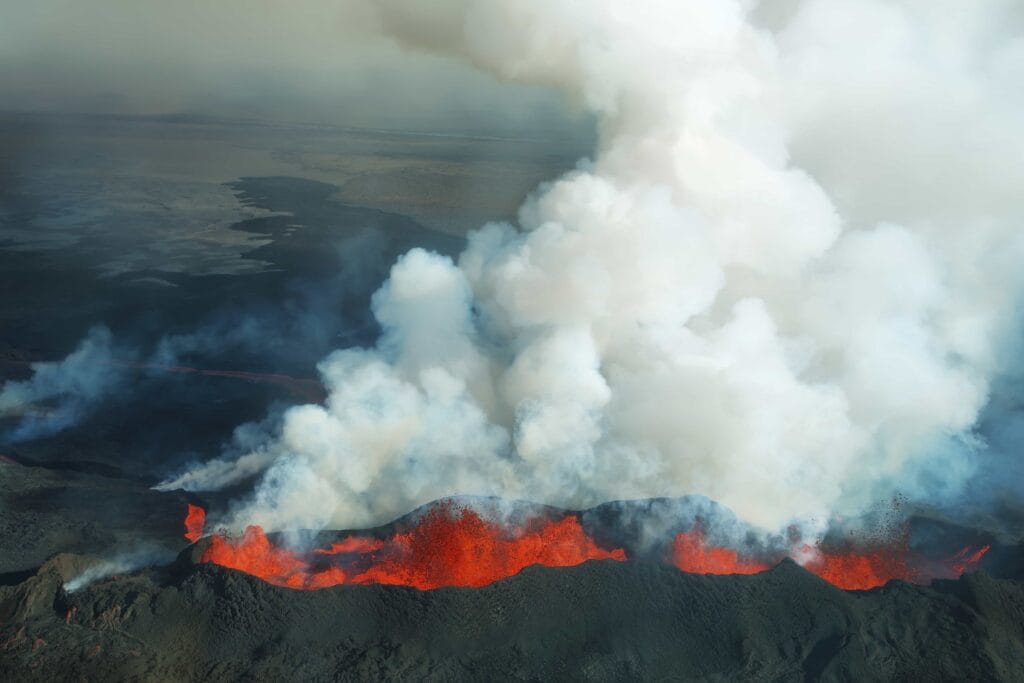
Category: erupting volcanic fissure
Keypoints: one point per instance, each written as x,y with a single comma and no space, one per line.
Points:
451,545
448,546
691,554
861,569
869,568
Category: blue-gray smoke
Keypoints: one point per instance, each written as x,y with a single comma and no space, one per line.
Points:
60,394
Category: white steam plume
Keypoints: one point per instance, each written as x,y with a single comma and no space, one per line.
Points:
59,394
120,564
778,284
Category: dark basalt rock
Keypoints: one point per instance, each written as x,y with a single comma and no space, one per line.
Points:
599,621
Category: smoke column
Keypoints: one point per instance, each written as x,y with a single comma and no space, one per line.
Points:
60,394
779,283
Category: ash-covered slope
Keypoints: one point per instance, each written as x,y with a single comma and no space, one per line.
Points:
45,511
600,621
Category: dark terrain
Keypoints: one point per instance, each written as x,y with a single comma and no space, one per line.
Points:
602,620
320,262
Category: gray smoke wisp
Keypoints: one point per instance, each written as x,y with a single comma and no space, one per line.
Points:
304,324
778,284
60,394
120,564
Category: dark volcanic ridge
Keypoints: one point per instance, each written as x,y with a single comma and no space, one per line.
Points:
85,617
473,541
599,620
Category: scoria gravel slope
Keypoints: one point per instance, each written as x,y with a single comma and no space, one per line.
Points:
598,621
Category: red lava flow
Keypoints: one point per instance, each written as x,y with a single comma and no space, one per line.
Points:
454,546
448,546
847,569
303,387
692,555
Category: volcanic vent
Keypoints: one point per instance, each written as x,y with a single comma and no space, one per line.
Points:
453,543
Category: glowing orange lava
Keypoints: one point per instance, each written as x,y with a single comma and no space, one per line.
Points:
860,571
254,554
455,546
691,554
195,520
351,545
849,570
448,546
965,560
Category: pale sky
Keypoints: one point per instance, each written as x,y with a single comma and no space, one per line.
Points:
317,61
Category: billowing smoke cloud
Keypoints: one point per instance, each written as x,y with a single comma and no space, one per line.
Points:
778,284
60,394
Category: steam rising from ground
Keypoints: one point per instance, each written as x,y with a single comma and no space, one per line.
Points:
778,284
121,564
60,394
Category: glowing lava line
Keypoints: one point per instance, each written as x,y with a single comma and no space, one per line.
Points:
692,555
849,570
448,546
454,546
303,387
